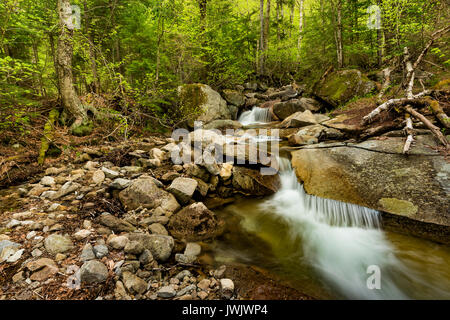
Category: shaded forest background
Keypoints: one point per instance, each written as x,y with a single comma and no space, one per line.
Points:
129,56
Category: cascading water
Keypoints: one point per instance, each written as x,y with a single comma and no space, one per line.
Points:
339,240
255,116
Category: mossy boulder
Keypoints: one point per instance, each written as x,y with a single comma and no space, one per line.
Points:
375,174
200,101
341,86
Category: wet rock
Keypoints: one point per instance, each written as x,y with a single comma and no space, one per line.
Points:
56,243
170,176
218,273
195,223
183,189
226,171
144,192
251,181
93,271
115,224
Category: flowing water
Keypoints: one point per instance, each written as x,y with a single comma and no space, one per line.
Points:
255,116
325,247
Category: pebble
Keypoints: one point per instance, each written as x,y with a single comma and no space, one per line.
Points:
47,181
82,234
101,251
227,288
166,292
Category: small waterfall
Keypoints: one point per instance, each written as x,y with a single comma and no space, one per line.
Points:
332,212
339,240
255,116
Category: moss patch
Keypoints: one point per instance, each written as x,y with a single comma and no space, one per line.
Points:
341,86
401,207
192,96
48,135
83,130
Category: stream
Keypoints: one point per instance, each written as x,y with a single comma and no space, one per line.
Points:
327,248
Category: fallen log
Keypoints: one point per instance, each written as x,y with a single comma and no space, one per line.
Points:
434,130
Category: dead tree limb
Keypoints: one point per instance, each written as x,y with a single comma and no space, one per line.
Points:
409,130
392,102
387,82
434,130
438,112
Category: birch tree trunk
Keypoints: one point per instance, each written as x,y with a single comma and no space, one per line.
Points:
261,38
300,30
70,100
92,56
339,49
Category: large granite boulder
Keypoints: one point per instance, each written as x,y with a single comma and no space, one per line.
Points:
208,102
412,191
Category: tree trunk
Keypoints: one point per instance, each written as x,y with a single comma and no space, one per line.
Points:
266,33
70,100
339,49
300,30
261,38
92,56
